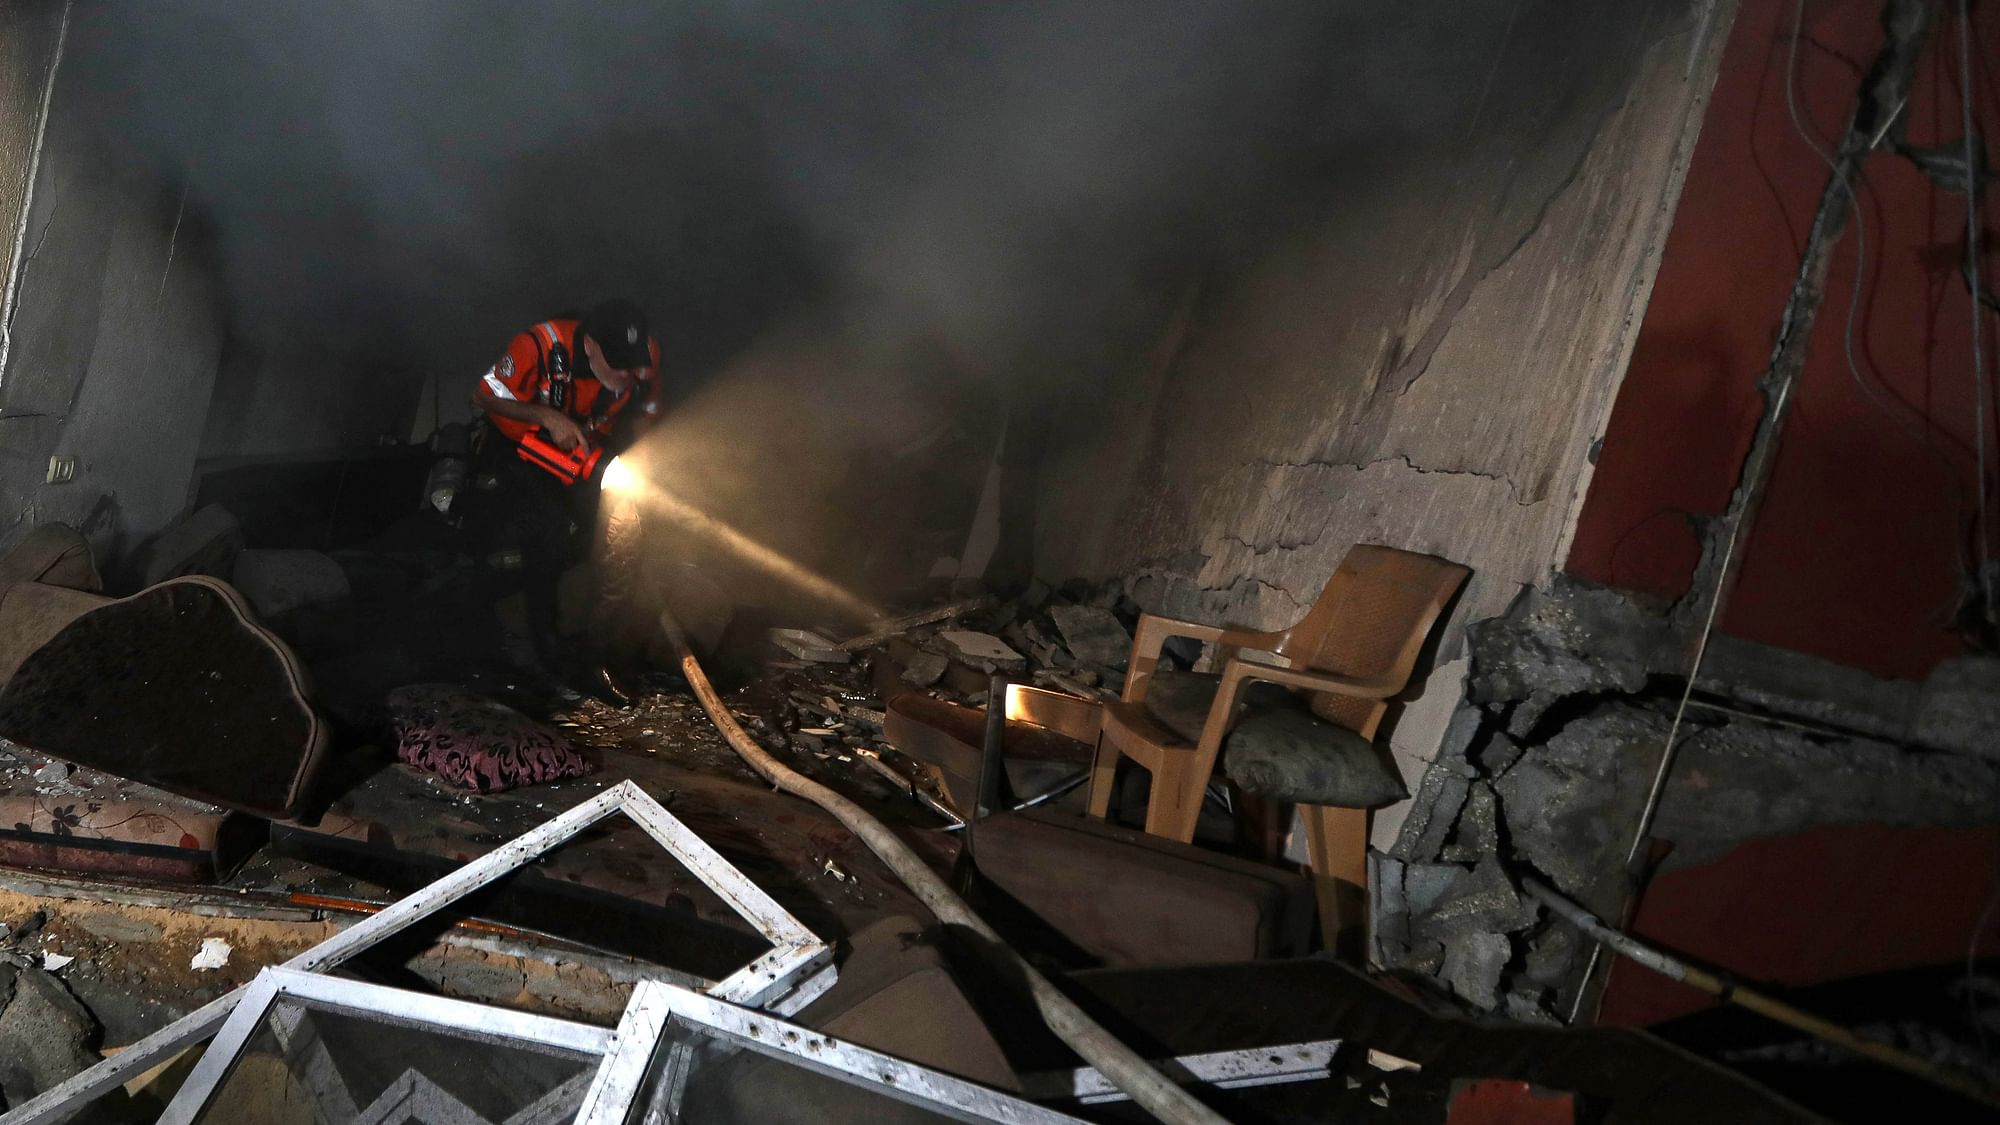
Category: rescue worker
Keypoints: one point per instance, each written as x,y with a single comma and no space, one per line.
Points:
567,396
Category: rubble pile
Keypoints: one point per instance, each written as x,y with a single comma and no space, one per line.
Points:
1544,771
825,700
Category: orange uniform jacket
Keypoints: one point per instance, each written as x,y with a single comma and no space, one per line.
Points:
523,375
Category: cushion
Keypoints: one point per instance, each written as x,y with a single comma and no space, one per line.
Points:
177,687
1291,754
60,817
1279,749
53,554
476,743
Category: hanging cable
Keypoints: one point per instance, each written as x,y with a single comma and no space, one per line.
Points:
1797,319
1907,418
1974,163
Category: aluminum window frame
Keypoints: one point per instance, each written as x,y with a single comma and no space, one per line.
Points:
798,968
773,1037
401,1007
625,1056
1278,1065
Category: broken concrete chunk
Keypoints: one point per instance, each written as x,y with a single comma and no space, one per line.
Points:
808,645
1093,634
1439,797
1424,957
884,629
46,1033
1035,596
1498,755
1425,885
1538,645
1472,968
1487,897
1478,833
1530,1007
1959,707
1527,714
1463,736
925,669
983,651
1551,956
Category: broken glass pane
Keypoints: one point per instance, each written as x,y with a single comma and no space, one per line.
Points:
309,1064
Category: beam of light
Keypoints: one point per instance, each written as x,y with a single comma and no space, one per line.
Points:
633,493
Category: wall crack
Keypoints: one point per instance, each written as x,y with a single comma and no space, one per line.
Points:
1403,460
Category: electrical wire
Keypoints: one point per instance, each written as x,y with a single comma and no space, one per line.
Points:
1877,397
1907,418
1777,408
1974,162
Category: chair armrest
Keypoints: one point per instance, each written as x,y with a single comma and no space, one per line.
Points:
1152,635
1147,641
1246,671
1154,630
1240,674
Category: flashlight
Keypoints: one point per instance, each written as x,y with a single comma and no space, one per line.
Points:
619,479
566,466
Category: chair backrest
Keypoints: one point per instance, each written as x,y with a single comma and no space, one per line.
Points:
1370,623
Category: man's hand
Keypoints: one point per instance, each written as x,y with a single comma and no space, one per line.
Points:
562,429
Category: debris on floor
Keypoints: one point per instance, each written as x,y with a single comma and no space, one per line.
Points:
893,717
213,954
47,1034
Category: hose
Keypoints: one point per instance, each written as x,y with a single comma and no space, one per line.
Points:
1119,1064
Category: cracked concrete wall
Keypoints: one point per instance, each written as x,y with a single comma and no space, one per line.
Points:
116,336
1419,351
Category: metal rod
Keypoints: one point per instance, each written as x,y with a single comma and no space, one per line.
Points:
992,756
1719,986
1906,24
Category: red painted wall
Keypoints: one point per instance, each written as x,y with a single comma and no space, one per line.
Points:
1819,906
1853,557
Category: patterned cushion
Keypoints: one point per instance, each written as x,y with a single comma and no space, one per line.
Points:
77,820
475,743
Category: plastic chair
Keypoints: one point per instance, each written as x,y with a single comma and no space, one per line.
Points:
1350,655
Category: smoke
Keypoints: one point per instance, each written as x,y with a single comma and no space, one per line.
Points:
431,175
918,202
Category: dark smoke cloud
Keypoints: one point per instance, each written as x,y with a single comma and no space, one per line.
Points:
875,217
428,175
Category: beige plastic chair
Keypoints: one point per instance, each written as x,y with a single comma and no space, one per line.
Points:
1350,655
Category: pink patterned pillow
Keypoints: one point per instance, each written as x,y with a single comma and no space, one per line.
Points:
475,743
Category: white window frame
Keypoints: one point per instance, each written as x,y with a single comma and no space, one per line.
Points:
625,1056
760,1032
797,970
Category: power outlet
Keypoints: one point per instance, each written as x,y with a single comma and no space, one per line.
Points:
62,470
